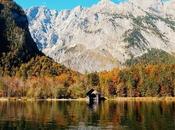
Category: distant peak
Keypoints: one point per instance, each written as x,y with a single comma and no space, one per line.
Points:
78,8
104,2
38,7
146,3
152,1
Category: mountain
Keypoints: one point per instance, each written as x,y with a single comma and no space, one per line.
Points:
105,35
153,57
19,54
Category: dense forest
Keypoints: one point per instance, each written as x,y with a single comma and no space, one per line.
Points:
135,81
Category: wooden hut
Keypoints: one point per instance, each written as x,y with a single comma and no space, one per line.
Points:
94,96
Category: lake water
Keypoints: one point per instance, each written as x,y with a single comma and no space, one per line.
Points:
109,115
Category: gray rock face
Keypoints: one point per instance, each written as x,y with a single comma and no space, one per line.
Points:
105,35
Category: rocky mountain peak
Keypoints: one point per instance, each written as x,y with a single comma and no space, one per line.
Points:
148,4
105,35
105,2
105,5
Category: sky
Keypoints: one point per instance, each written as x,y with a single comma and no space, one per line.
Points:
59,4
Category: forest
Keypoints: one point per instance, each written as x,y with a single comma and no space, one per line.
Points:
134,81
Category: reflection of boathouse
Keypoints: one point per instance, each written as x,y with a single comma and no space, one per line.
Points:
1,93
94,96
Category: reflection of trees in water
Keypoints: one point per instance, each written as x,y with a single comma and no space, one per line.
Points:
59,115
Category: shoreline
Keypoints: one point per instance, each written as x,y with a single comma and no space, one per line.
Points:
142,99
33,99
117,99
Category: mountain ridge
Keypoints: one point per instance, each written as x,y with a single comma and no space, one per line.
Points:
105,35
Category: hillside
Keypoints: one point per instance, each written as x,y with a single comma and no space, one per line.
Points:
19,54
153,57
105,35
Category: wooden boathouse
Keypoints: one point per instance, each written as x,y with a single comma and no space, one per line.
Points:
94,96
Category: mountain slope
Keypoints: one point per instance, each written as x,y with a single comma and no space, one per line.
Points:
18,52
105,35
17,46
153,57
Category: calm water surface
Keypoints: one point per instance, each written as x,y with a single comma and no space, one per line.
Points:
80,116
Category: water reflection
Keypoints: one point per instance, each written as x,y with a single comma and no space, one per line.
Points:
78,115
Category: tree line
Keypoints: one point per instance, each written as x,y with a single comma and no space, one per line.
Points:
135,81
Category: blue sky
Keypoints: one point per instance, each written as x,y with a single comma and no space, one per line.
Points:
58,4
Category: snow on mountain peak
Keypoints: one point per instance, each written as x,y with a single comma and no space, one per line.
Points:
105,2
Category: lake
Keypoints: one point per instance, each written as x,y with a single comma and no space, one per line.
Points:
66,115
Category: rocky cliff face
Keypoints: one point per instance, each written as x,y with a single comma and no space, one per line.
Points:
105,35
